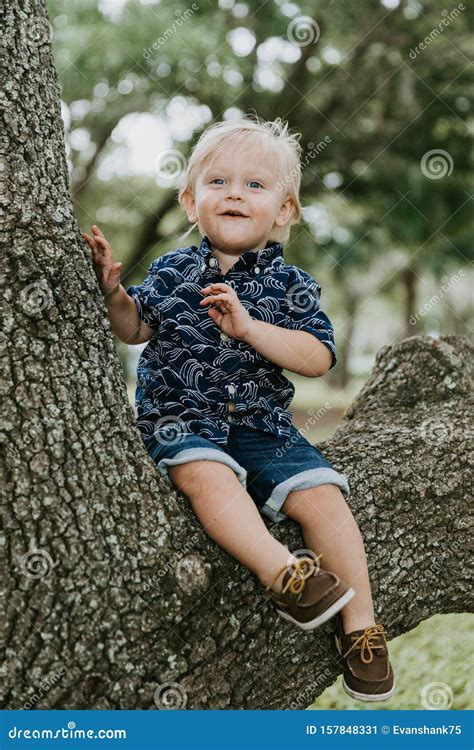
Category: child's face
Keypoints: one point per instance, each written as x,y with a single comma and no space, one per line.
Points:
238,181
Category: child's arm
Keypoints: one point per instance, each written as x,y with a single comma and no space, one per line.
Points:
124,319
296,351
122,311
299,351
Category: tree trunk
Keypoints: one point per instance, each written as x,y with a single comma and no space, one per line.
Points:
350,301
114,595
410,285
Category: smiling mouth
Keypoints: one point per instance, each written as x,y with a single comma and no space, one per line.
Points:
234,215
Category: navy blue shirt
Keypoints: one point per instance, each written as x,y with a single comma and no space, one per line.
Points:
190,370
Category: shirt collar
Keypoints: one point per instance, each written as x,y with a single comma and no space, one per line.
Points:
250,258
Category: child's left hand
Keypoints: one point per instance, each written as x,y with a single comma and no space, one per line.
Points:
229,314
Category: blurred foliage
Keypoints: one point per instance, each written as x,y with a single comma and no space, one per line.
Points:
370,106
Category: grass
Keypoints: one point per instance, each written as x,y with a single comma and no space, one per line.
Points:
439,651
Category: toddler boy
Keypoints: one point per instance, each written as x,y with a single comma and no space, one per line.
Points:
223,319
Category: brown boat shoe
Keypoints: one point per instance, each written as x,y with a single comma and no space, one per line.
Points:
367,673
310,595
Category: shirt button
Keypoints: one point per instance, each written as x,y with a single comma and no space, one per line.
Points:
256,270
224,337
212,262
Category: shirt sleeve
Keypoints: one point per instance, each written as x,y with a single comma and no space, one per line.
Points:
303,299
154,290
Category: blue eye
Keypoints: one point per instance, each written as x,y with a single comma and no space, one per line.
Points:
255,182
217,178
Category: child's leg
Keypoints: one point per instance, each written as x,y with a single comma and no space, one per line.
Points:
231,518
329,528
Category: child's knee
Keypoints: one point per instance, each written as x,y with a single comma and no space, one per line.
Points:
305,503
195,477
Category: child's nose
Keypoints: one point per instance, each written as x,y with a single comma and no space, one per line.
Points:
234,190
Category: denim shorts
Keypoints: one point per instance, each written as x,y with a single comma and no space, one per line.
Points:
268,467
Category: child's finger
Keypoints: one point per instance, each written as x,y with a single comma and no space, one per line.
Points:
104,247
101,241
213,298
218,285
113,269
92,249
97,231
92,245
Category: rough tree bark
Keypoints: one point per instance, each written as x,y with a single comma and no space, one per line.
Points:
114,596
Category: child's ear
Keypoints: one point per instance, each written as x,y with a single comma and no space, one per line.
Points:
285,213
187,199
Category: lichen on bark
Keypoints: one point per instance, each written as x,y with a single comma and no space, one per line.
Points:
112,590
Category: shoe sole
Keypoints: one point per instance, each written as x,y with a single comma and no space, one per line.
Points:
324,616
366,697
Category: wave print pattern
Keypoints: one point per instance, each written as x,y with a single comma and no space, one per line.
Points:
189,372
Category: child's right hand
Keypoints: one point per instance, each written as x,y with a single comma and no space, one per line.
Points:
107,272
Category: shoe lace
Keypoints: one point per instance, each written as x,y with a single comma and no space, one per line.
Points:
367,641
302,569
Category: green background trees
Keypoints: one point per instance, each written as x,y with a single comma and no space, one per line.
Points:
384,126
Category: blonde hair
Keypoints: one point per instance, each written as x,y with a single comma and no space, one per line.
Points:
272,139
